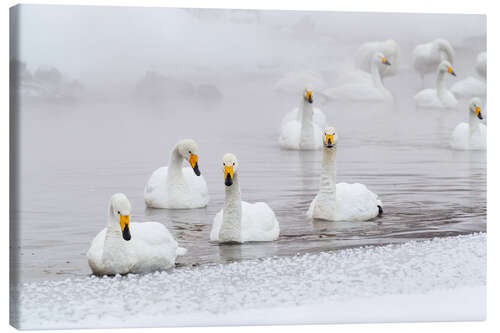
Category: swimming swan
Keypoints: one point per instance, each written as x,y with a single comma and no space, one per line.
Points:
389,48
176,187
240,221
472,135
341,202
301,132
440,97
426,57
473,86
361,87
123,247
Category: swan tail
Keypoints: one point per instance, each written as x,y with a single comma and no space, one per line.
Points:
180,251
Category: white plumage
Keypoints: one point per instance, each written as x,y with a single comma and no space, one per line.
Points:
428,56
175,186
299,129
441,97
150,246
471,135
341,202
473,86
361,86
240,221
364,54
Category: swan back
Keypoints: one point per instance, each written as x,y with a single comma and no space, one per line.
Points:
481,64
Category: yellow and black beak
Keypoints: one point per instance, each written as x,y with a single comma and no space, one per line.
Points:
125,225
193,160
385,61
329,140
309,96
478,113
228,175
450,70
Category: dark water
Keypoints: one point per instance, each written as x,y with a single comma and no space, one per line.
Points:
74,157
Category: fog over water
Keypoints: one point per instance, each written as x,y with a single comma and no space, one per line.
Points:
152,76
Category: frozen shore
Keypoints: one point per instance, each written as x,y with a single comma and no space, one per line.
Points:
440,279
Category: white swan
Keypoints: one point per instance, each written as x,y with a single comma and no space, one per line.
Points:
123,247
441,97
364,54
361,86
473,86
472,135
341,202
301,132
176,187
240,221
426,57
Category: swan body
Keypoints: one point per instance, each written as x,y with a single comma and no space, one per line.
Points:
240,221
301,132
389,48
361,86
318,118
341,202
176,187
124,247
473,86
428,56
471,135
441,97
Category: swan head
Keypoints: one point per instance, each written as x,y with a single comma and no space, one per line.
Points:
230,167
445,66
380,58
475,107
308,95
119,213
330,137
188,149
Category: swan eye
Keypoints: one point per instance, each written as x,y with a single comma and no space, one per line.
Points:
189,151
118,212
233,163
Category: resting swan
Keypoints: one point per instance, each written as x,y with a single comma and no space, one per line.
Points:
472,135
123,247
341,202
440,97
360,86
473,86
301,132
240,221
176,187
365,53
426,57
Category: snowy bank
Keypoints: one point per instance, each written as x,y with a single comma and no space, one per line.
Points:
440,279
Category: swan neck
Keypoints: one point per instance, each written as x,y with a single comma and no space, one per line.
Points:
307,128
328,171
175,166
440,83
377,80
231,220
473,122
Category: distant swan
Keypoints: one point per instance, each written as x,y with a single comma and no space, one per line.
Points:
123,247
360,86
471,135
426,57
341,202
440,97
473,86
176,187
301,132
389,48
240,221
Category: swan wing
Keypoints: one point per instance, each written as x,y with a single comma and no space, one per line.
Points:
469,87
154,246
155,191
290,135
94,254
355,202
197,187
460,137
258,222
